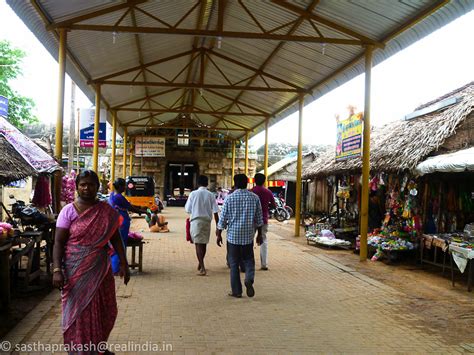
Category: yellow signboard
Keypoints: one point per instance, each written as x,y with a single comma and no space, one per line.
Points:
349,137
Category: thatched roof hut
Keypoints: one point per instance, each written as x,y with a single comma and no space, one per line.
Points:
12,165
401,145
20,157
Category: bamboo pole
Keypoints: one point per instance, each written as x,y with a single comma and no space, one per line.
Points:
114,145
233,162
364,220
246,170
124,161
130,172
95,154
58,151
265,157
299,168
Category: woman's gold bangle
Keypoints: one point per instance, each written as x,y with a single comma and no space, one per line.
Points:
57,269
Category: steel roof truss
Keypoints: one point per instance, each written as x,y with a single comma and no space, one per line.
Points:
155,18
95,14
310,15
144,98
140,67
252,16
157,75
280,45
186,66
203,86
238,101
214,33
188,111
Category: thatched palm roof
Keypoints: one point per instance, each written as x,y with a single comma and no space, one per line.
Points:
12,165
401,145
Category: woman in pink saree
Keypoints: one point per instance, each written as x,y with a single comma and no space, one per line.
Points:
81,266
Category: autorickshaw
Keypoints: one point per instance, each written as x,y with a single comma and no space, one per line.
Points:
140,191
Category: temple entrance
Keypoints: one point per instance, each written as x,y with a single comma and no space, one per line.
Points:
180,180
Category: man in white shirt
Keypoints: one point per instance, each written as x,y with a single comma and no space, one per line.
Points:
201,205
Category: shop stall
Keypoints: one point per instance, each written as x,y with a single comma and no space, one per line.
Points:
412,194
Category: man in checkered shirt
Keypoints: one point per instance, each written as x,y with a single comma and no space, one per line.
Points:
241,214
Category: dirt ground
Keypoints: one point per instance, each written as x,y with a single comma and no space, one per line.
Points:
444,310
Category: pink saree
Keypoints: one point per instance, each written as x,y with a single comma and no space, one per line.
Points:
88,297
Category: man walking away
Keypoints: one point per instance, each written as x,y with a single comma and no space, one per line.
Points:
266,199
241,214
201,205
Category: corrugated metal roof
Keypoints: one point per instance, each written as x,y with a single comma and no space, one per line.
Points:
129,41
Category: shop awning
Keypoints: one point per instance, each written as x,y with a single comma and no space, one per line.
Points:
460,161
30,152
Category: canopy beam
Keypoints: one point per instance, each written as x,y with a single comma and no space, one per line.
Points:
213,33
198,86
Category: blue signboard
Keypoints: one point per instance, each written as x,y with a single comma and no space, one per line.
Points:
87,128
3,106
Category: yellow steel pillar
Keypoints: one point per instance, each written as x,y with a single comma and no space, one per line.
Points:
299,167
364,209
265,156
114,134
246,171
130,173
58,151
95,152
233,162
124,161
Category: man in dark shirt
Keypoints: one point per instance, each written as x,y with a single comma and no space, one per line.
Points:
266,200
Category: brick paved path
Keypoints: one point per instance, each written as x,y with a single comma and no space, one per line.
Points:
304,304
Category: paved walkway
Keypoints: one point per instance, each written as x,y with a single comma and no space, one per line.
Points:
305,303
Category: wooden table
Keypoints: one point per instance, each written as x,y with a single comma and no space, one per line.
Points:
467,254
133,244
438,245
28,244
5,247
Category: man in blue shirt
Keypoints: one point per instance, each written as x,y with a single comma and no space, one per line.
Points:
241,215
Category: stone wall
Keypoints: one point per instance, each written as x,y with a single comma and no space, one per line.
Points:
217,165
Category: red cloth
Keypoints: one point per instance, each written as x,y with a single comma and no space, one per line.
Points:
88,297
42,194
188,231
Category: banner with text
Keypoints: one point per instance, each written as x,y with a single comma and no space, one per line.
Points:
349,137
3,106
149,146
86,119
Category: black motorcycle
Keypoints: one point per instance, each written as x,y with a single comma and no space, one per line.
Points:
26,216
279,213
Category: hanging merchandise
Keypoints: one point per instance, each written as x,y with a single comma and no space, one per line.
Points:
42,194
68,188
401,224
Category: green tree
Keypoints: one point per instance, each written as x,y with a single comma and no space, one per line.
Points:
20,108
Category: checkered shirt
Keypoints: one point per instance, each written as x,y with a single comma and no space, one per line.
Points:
241,214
